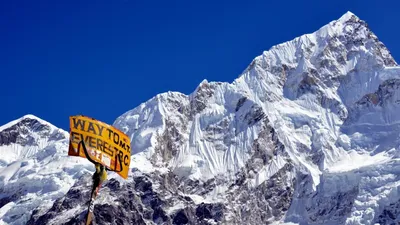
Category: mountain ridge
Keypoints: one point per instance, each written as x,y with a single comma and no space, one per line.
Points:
286,141
331,29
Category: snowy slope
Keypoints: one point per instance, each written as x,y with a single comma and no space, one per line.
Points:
310,88
307,134
25,136
35,168
331,97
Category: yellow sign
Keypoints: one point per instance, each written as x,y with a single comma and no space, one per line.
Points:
105,144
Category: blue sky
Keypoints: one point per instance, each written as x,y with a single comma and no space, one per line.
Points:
103,58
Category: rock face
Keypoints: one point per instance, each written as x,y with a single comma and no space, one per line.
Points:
34,168
24,137
307,134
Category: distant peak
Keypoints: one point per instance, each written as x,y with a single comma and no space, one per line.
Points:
30,116
24,118
347,17
205,81
202,83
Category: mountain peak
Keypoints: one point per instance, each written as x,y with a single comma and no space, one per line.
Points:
347,16
27,117
24,137
305,127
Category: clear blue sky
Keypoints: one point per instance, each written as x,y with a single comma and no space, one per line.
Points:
102,58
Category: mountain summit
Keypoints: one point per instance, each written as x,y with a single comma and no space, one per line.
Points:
304,89
34,167
307,134
25,136
309,113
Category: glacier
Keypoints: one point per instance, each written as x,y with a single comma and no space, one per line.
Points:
307,134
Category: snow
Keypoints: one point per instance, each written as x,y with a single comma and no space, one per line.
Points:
176,207
33,140
308,122
283,223
8,172
37,174
66,216
197,158
377,185
33,117
267,171
141,163
217,194
198,199
303,124
312,90
354,160
5,208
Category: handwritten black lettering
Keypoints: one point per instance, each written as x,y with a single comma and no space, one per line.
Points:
75,138
100,129
126,162
116,138
91,129
79,123
109,133
100,145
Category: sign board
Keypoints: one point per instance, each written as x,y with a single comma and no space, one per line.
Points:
105,143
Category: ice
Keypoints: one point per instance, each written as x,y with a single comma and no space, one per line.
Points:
5,208
354,160
283,223
140,162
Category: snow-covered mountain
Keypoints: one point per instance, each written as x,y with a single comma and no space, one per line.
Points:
307,134
24,137
34,169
